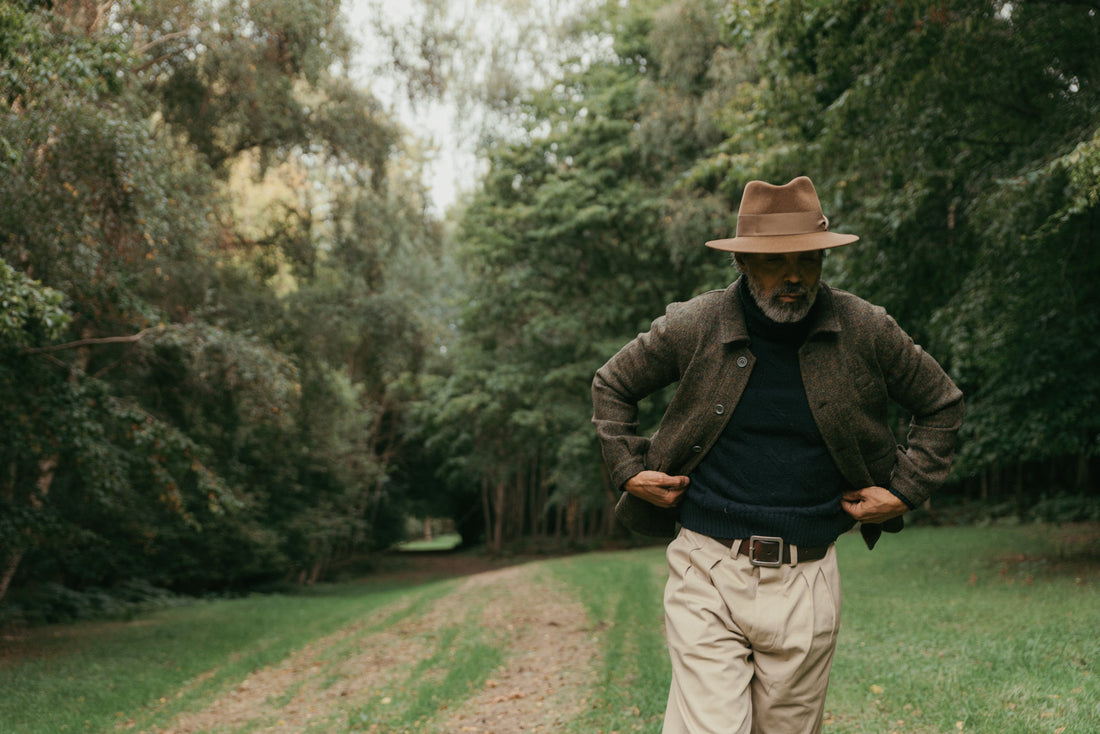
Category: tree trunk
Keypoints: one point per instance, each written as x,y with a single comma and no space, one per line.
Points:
486,508
46,469
501,514
534,505
7,491
1018,491
573,519
10,567
543,502
1082,479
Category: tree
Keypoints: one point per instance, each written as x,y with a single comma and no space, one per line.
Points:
84,191
205,189
631,162
569,246
957,133
31,314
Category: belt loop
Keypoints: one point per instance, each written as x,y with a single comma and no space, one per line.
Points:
794,555
735,546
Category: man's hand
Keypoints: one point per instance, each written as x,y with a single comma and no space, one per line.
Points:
657,488
872,504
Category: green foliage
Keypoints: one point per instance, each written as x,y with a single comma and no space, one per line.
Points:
976,190
189,193
29,313
235,349
53,603
37,58
569,250
958,139
242,76
1034,272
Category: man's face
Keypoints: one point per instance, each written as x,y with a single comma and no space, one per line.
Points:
784,285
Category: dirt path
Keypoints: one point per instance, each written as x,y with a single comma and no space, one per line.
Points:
541,683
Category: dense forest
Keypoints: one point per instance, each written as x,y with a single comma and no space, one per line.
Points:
238,345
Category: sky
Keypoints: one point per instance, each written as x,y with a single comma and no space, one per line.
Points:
454,168
526,32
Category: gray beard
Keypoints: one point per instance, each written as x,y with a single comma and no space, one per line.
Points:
776,310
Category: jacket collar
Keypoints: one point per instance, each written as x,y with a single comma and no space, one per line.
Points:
733,328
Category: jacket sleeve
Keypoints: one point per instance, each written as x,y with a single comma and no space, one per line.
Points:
641,368
917,383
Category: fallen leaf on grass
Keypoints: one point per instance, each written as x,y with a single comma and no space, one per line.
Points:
514,695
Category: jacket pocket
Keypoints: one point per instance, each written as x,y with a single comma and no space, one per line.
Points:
880,467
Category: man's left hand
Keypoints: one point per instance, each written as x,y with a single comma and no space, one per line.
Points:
872,504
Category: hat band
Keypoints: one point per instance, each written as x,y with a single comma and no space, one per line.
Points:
786,223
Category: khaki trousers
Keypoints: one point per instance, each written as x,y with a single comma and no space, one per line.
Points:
751,646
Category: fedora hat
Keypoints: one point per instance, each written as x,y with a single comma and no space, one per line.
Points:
783,218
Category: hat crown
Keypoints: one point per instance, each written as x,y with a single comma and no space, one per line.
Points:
761,197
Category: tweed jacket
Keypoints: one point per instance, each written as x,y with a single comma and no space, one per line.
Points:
855,360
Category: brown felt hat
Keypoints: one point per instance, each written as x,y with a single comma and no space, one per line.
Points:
784,218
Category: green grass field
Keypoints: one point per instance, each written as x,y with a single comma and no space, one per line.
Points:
945,630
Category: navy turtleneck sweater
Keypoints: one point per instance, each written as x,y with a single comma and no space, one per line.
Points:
770,472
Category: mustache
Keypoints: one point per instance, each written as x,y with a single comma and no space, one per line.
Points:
792,289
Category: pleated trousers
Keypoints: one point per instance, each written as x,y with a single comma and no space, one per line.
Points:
751,646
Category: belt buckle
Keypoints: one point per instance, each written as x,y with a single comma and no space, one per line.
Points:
768,543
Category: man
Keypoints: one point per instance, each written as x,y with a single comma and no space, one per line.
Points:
774,443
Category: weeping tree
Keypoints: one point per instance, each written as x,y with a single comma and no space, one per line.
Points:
203,199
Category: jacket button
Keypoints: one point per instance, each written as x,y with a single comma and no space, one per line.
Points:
742,361
719,409
696,448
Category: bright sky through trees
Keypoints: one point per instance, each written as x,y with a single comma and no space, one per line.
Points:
469,63
452,163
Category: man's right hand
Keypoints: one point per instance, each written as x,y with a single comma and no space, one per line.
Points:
657,488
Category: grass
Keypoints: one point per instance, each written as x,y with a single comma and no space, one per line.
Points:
459,664
945,630
445,542
91,676
622,592
974,630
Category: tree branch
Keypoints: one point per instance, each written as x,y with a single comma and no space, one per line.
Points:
146,48
92,342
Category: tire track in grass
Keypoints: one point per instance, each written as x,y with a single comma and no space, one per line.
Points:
553,663
503,651
293,695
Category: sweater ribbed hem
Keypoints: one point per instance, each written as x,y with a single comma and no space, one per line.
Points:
808,526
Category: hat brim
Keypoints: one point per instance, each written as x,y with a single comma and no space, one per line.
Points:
784,243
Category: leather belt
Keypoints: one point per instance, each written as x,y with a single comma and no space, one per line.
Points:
764,550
